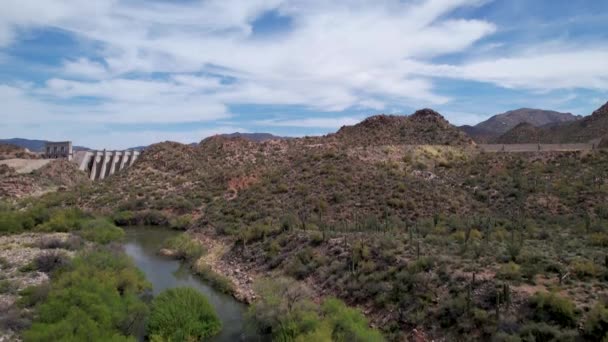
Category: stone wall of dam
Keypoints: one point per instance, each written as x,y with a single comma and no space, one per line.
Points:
102,164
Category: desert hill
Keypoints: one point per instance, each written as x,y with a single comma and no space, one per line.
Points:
587,129
52,176
499,124
401,216
522,133
9,151
424,127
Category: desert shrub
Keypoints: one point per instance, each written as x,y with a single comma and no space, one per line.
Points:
600,239
10,222
509,271
182,314
14,319
545,332
584,269
7,286
97,299
51,243
101,231
33,295
151,218
284,311
181,222
551,308
347,324
255,232
452,310
596,324
316,238
216,280
423,264
64,220
50,261
301,264
124,218
185,247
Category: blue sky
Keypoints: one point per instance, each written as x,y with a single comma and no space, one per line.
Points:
120,73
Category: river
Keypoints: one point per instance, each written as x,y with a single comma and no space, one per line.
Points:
142,244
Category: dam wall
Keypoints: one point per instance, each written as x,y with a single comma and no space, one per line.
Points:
102,164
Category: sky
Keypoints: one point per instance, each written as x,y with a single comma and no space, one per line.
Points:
121,73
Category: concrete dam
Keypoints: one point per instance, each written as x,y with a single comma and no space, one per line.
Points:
102,164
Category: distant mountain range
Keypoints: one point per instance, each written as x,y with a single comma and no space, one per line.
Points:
38,145
258,137
491,129
34,145
525,125
592,128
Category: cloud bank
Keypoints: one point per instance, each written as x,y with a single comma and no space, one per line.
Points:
182,62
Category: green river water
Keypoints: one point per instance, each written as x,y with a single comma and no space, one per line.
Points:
143,243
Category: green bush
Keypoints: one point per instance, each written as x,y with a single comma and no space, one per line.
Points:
509,271
544,332
97,299
584,269
284,311
348,324
181,222
50,261
596,325
124,218
550,308
185,247
182,314
64,220
101,231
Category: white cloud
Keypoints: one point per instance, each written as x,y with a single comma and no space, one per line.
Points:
335,55
85,68
122,140
329,123
585,67
156,62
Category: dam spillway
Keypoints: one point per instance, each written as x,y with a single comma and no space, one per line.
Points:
102,164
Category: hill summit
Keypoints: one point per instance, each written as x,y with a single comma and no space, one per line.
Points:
499,124
424,127
591,128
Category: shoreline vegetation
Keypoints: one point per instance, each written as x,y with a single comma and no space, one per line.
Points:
92,291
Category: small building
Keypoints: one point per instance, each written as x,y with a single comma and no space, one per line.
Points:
58,150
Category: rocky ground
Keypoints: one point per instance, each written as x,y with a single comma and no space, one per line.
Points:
17,254
49,176
220,261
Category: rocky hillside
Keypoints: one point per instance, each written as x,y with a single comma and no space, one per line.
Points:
424,127
258,137
522,133
488,131
588,129
8,151
57,174
436,239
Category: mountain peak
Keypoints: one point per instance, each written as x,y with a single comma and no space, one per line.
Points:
424,127
603,110
426,114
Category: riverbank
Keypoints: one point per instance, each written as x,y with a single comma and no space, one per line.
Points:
142,244
219,259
